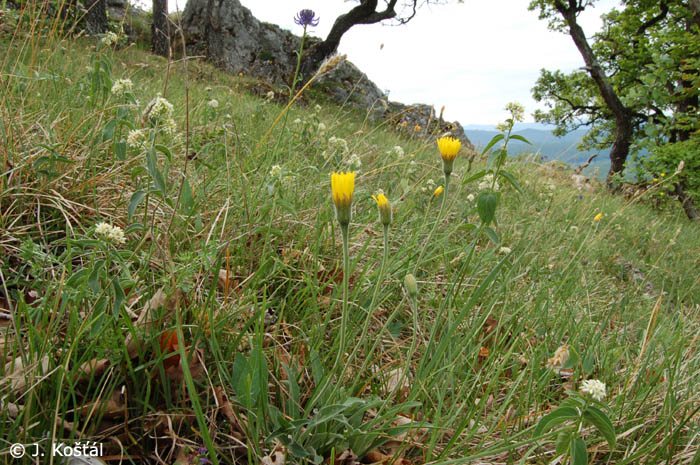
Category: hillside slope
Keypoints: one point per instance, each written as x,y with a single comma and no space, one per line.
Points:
172,281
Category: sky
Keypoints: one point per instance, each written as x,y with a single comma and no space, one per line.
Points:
472,57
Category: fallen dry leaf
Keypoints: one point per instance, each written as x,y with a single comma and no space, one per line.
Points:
19,374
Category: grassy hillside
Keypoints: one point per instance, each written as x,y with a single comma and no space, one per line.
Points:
214,327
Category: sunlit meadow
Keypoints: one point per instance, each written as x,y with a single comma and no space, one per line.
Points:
192,272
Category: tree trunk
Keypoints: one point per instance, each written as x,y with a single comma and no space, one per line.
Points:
160,37
687,202
624,128
364,13
96,17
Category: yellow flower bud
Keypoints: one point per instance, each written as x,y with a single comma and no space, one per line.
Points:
598,217
438,191
384,208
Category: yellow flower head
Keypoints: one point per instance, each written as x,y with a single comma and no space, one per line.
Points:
656,179
663,174
598,217
449,148
384,208
438,191
342,187
416,128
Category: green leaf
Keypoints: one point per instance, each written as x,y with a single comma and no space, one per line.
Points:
555,418
520,138
108,131
511,179
156,175
136,199
562,443
579,454
166,151
601,421
486,206
492,235
474,177
119,297
492,142
187,198
120,150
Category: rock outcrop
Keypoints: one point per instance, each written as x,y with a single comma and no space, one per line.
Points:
229,35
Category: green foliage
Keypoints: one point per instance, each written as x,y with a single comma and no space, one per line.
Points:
649,51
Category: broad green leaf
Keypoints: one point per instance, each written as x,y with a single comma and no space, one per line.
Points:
579,454
108,131
601,421
492,142
120,150
187,198
474,177
486,206
166,151
136,199
511,179
156,175
119,297
562,443
491,234
520,138
555,418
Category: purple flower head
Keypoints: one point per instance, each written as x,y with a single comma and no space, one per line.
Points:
306,18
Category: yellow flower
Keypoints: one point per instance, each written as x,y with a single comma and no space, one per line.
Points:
656,179
598,217
661,194
342,187
663,174
384,208
404,124
449,148
438,191
416,128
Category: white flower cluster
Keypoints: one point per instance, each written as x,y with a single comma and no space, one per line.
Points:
486,183
111,233
160,109
516,110
122,86
505,250
270,96
336,143
317,108
297,121
470,197
321,128
213,103
397,150
137,138
412,167
275,171
109,38
594,387
429,185
355,161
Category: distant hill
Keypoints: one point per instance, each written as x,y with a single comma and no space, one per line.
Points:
544,143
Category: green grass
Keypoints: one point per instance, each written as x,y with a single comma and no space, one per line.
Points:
467,364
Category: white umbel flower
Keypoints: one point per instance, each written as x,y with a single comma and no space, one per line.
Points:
594,387
111,233
213,103
122,86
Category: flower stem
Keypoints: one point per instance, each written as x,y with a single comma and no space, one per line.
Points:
370,310
437,221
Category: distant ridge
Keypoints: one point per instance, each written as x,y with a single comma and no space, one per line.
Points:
545,143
